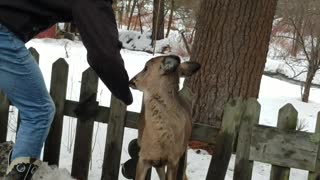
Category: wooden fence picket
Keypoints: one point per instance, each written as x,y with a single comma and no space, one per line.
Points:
287,120
313,175
58,91
220,160
113,149
85,123
250,117
4,115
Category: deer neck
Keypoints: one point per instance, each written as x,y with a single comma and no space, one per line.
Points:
162,99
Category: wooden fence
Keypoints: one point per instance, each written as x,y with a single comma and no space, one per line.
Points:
87,111
283,147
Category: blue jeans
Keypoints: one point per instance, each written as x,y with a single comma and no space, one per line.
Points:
22,81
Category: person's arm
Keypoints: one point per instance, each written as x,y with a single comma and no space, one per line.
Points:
96,23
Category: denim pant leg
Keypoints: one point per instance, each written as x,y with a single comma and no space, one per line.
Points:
23,83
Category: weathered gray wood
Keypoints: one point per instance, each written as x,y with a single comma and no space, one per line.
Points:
283,148
112,154
204,133
4,114
58,91
200,132
35,54
287,120
250,117
220,160
313,174
84,132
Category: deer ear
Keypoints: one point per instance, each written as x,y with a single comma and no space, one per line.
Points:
187,69
169,64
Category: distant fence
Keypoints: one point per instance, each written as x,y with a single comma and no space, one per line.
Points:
87,111
281,146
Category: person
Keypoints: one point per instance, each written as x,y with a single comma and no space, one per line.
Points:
21,79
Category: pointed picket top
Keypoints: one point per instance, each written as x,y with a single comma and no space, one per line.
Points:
60,63
252,111
89,73
232,112
35,54
288,117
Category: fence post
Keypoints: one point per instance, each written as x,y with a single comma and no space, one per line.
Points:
112,154
250,117
84,132
58,91
220,160
4,115
287,120
313,175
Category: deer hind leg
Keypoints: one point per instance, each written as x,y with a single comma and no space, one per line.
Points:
161,172
142,169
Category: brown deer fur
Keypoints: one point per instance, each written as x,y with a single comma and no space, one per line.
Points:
165,128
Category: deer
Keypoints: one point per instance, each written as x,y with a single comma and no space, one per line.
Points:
165,127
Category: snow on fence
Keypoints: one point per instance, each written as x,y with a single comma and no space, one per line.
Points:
87,111
283,146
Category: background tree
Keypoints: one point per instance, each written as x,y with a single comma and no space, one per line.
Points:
231,44
298,33
158,20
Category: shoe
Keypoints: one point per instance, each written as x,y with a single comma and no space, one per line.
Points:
22,169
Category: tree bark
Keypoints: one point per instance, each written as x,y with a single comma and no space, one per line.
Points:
139,15
231,44
170,18
131,13
120,14
158,20
128,8
307,85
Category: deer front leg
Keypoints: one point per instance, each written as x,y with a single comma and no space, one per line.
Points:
141,170
172,171
161,172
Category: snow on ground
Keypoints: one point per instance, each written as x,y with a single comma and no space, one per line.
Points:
276,65
273,95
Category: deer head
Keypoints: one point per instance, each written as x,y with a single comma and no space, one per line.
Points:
163,72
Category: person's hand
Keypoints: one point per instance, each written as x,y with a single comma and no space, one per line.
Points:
124,95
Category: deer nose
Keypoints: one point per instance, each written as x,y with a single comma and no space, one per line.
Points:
132,83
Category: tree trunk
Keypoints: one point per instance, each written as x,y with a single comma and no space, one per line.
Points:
128,8
139,15
170,18
158,20
120,14
231,44
131,13
295,44
307,85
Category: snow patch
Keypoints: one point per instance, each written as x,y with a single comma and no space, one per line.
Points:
51,173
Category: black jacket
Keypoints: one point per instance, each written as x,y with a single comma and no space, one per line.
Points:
96,23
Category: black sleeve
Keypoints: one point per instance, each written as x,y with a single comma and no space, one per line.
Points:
96,23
